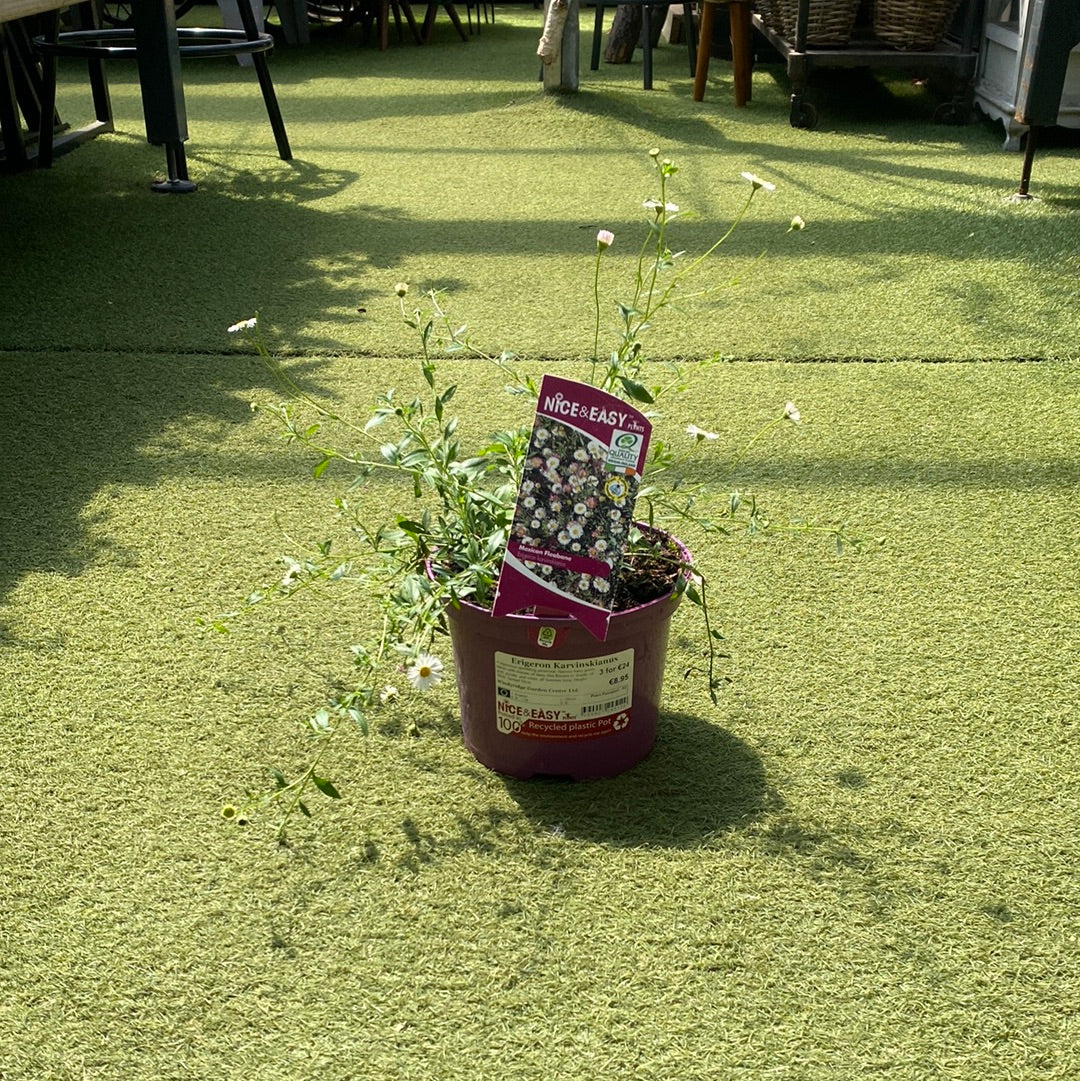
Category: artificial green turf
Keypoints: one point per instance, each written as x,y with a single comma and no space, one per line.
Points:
861,863
447,166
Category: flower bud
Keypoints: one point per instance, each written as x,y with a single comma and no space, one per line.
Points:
604,239
401,288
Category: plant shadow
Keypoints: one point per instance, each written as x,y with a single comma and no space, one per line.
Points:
699,781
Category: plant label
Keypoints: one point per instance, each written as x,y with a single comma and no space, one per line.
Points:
575,504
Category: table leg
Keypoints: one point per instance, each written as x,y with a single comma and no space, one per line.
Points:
164,109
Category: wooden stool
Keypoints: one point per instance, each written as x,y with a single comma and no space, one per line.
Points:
741,48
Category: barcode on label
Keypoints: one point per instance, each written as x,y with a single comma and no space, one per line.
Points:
605,707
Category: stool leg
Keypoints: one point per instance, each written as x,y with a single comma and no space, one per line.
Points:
701,72
262,69
266,84
742,49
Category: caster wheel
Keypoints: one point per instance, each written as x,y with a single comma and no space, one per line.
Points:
803,114
951,112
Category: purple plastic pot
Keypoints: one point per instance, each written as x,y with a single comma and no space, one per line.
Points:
541,696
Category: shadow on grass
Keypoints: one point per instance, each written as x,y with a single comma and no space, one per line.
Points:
699,781
75,423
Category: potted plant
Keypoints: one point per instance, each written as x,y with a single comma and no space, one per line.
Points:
539,692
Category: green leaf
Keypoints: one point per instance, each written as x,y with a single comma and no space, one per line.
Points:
304,809
320,469
325,786
636,391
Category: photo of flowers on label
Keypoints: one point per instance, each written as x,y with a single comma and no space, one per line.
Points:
575,503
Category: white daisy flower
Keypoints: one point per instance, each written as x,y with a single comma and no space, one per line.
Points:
424,672
757,183
699,434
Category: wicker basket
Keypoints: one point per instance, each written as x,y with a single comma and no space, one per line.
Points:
913,24
829,22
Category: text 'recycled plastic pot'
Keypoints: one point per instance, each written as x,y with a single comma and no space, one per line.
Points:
541,696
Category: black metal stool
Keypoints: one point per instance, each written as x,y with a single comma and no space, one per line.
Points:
162,88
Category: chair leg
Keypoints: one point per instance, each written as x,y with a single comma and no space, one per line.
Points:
410,19
47,108
429,21
86,17
382,24
14,156
456,20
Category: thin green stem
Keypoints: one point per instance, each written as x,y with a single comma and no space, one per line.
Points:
596,315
